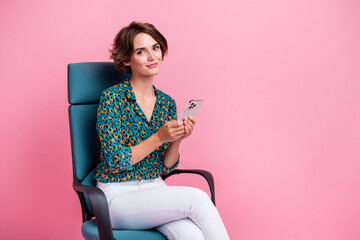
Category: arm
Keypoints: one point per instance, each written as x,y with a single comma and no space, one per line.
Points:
118,156
114,153
172,154
169,132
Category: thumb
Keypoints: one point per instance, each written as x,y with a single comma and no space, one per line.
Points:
174,123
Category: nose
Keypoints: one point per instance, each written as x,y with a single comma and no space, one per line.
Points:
151,56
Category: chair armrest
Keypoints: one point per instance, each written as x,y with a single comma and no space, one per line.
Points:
206,174
100,209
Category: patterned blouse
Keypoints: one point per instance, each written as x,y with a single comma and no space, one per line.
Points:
122,124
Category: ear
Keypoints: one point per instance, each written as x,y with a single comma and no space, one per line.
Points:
126,63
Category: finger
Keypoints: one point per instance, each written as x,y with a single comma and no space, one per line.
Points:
190,126
187,130
175,123
177,129
172,123
179,134
192,119
189,122
190,132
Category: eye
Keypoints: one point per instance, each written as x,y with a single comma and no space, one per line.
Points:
140,52
156,47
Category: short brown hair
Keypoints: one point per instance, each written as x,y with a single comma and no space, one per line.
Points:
123,45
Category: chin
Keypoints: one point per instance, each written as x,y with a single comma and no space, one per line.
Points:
152,72
147,74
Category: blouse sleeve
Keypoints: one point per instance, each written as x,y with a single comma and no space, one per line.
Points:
172,108
116,155
173,115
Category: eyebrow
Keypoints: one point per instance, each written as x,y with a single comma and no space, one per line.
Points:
142,48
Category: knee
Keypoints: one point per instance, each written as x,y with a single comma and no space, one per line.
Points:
202,197
182,229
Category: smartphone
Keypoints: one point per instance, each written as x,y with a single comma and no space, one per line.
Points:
191,109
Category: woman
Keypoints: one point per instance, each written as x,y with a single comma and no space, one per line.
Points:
140,141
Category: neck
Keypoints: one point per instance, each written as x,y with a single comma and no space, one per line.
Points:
143,86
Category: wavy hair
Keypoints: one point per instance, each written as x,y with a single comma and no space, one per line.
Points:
123,45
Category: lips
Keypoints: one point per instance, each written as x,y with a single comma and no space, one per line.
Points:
154,65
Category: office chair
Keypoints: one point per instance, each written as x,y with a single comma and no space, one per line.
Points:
86,81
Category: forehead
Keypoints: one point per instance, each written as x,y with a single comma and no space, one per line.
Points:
143,40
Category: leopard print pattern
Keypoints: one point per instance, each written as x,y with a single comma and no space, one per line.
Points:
121,124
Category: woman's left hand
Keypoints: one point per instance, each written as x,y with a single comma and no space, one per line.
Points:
189,123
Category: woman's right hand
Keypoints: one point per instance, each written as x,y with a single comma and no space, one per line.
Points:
171,131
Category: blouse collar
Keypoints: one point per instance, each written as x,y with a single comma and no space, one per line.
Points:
129,91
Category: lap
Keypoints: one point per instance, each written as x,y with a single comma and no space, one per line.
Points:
182,229
144,206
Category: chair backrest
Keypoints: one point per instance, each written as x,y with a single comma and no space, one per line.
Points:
86,81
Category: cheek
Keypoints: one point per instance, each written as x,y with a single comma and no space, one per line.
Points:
159,55
139,60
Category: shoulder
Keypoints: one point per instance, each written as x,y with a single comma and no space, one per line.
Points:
114,96
116,93
166,98
118,89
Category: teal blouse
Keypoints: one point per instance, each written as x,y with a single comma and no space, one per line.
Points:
122,124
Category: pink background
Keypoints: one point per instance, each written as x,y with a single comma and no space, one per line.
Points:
279,128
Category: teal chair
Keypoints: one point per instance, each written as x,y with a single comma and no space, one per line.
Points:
86,81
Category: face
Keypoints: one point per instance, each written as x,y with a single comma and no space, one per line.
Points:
146,59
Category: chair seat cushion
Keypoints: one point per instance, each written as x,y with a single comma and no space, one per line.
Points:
90,232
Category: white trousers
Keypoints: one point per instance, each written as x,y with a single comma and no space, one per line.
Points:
177,212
